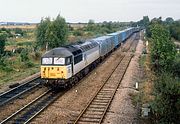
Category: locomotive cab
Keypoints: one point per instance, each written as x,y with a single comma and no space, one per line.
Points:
60,69
56,64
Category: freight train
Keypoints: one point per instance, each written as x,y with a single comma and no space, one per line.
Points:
65,66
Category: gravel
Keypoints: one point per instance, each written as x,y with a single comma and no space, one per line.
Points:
122,111
15,105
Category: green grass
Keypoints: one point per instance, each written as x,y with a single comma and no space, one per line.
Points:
142,60
12,76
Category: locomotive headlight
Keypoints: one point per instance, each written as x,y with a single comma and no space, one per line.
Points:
46,60
60,61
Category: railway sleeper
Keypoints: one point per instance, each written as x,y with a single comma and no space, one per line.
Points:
96,109
98,103
103,96
93,112
91,117
88,120
101,101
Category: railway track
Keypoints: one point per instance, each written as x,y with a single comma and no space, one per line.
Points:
16,92
32,109
96,109
128,43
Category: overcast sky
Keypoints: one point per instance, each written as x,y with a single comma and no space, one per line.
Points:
83,10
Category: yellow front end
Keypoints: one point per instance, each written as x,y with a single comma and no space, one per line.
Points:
55,72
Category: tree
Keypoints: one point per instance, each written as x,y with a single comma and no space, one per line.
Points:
165,106
60,31
91,25
145,21
3,39
163,49
175,30
52,34
19,31
169,20
41,32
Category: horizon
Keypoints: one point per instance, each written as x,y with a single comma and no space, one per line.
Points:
97,10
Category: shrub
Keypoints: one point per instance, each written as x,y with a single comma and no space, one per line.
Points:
29,64
163,50
176,66
166,103
78,33
24,55
19,50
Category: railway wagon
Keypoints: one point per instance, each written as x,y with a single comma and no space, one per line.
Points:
116,38
106,44
122,36
129,32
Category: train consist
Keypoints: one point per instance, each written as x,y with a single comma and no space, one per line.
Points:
64,66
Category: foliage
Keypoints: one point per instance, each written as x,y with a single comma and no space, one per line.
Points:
78,32
7,31
169,20
176,66
98,29
151,24
163,50
29,64
19,31
19,50
175,30
52,33
173,26
166,103
91,25
25,43
3,39
142,23
41,32
24,55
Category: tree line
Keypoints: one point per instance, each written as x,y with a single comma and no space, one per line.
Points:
166,64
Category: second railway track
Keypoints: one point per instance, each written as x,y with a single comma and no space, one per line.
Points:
18,91
32,109
96,109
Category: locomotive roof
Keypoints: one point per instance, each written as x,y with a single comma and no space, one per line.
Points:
63,51
58,52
